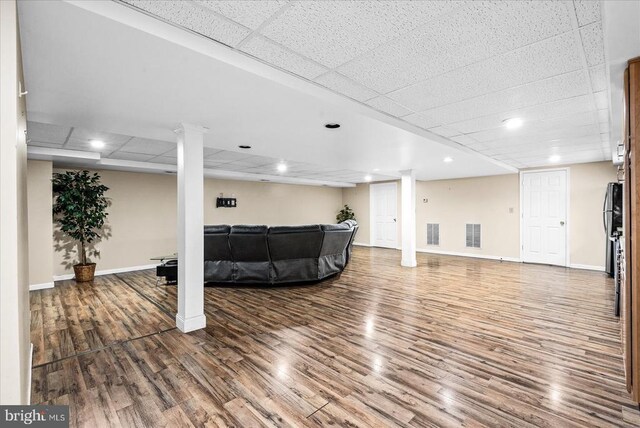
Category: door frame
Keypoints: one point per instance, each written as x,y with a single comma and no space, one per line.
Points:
372,215
567,244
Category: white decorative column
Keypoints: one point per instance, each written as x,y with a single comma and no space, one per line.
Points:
190,314
408,181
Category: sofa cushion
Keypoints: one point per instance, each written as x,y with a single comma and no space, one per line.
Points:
217,228
295,242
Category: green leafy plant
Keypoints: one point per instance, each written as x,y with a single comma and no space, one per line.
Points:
345,213
80,207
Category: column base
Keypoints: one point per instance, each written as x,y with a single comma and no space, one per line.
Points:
408,263
191,324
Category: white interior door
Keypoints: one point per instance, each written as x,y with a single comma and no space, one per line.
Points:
544,217
384,201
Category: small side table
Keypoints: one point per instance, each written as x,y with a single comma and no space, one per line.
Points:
168,268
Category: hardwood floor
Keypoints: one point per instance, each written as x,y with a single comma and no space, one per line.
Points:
454,342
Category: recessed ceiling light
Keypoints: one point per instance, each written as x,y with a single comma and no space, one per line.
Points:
554,158
244,147
97,144
332,125
367,178
282,167
512,123
448,159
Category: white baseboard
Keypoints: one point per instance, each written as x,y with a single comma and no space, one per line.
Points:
586,267
108,271
29,373
191,324
474,255
361,244
44,285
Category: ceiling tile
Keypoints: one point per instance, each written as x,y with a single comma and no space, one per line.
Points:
505,102
86,135
195,18
44,144
345,86
46,133
593,43
443,131
388,106
603,115
587,11
248,13
598,78
164,160
84,145
146,146
471,33
332,33
602,100
463,139
228,156
130,156
555,109
538,61
421,120
275,54
207,152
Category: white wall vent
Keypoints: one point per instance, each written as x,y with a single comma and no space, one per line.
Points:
473,235
433,234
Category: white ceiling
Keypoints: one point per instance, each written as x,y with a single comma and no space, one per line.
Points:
457,69
102,67
423,80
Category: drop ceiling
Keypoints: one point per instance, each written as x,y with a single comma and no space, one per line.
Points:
411,83
68,142
457,69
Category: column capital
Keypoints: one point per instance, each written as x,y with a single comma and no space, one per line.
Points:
190,127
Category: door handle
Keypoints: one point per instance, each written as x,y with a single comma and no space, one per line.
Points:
394,220
561,223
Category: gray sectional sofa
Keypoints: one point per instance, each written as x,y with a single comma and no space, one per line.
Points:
280,254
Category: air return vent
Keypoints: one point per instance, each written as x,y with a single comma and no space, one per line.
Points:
433,234
473,235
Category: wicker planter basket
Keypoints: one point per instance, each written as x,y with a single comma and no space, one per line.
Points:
84,273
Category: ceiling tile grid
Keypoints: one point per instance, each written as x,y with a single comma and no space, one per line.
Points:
196,18
249,13
127,148
457,69
271,52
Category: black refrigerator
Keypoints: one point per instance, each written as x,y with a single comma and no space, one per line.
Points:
612,219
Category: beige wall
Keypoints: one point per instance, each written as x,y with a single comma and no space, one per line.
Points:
14,268
489,201
40,224
588,183
142,215
271,203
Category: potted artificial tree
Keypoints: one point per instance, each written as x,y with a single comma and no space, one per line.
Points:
80,208
345,214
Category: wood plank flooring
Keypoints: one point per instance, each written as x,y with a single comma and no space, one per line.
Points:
454,342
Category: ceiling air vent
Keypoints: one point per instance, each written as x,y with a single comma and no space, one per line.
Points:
473,235
433,234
